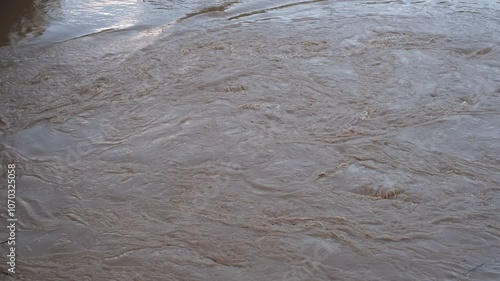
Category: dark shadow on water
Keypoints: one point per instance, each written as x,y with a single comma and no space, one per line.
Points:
24,18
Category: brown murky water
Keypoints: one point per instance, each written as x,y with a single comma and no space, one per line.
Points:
260,140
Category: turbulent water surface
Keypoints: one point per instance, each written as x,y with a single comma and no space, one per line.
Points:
253,140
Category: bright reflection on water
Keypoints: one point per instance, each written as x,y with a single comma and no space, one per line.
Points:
59,20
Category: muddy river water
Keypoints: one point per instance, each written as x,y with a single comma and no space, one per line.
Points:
253,140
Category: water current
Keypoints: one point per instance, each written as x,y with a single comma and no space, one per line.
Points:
253,140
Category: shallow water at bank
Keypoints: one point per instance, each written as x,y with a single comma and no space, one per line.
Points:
260,140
